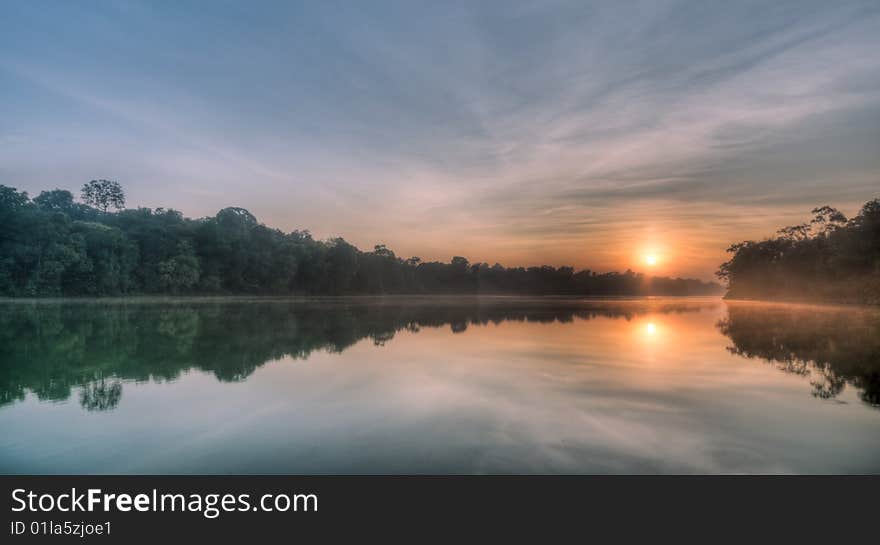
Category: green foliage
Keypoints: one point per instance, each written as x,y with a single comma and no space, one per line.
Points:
52,246
103,194
181,272
57,200
829,258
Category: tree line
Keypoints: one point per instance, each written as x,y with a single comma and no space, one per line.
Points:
829,258
52,245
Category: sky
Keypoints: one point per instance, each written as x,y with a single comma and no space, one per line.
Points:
590,134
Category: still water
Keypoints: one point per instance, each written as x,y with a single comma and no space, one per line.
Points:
438,385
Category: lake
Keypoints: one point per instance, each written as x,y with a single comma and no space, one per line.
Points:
413,385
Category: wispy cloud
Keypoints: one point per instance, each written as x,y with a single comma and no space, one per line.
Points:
506,132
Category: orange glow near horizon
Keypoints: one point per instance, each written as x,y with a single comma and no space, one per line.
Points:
652,257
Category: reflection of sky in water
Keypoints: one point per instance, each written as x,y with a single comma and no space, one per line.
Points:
648,392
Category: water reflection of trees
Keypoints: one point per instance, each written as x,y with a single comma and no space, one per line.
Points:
832,346
50,349
100,395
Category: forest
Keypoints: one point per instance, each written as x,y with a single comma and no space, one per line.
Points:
52,245
830,258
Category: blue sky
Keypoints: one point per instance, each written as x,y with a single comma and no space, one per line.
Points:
582,133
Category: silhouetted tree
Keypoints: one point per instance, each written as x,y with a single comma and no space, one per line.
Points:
828,258
102,194
57,200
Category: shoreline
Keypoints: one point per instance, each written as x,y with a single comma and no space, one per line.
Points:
800,301
354,297
428,298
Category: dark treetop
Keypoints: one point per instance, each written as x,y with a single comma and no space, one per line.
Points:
829,259
53,246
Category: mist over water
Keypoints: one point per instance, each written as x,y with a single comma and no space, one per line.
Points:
438,385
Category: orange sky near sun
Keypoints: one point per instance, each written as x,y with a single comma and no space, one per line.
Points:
692,248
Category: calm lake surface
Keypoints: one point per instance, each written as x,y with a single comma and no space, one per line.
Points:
438,385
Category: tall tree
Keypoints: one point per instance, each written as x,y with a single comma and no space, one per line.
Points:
103,194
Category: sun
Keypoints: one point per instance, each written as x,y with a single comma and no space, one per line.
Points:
651,259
